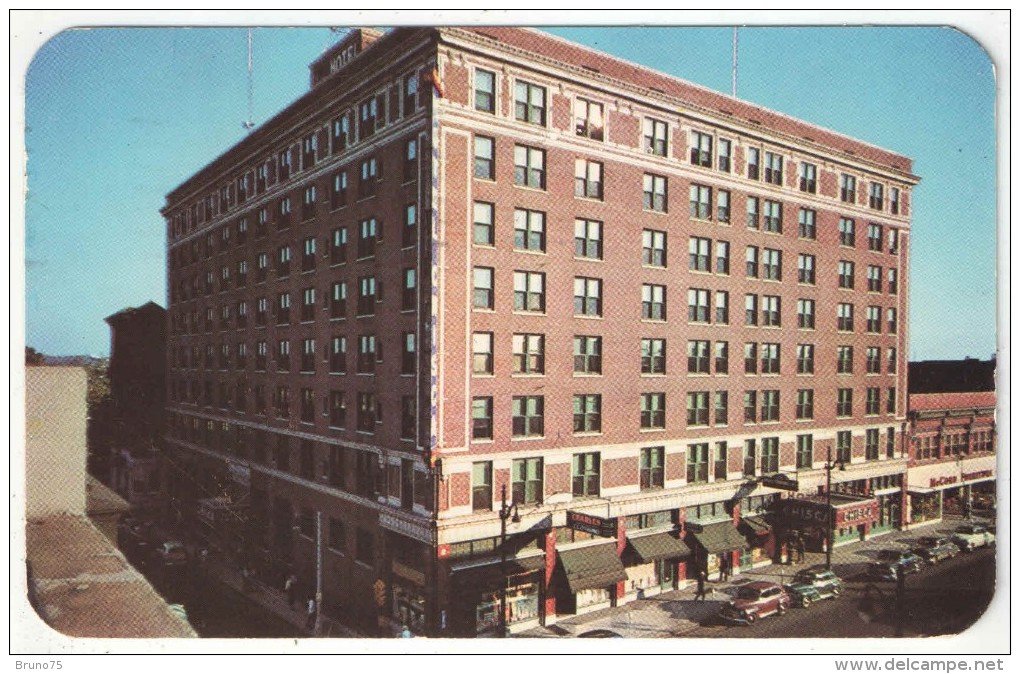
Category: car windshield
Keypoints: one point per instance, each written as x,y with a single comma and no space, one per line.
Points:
748,593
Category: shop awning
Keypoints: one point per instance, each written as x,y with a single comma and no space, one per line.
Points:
490,575
655,547
592,567
913,489
755,525
719,537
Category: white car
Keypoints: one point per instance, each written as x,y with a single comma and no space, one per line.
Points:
971,536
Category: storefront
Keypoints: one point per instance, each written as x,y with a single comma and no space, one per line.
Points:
950,487
477,590
651,561
408,608
851,519
589,577
713,543
756,530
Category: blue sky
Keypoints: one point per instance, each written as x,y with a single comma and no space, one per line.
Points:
117,117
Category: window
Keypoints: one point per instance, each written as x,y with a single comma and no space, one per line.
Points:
526,481
772,216
847,188
723,205
872,400
891,360
529,167
771,313
282,402
770,358
722,257
655,193
752,212
283,261
482,294
845,317
751,258
771,264
308,257
846,232
653,302
653,245
701,149
873,322
528,354
308,355
261,354
724,155
341,134
753,155
653,410
481,418
750,358
338,355
653,356
750,460
411,159
875,237
409,233
587,413
481,485
846,274
367,118
485,158
805,450
805,404
750,310
844,402
750,407
806,314
529,103
283,165
409,296
588,119
585,474
261,267
338,300
701,202
808,177
843,446
484,234
370,293
697,356
651,473
283,309
722,307
722,357
587,296
481,353
369,412
588,239
337,410
770,405
806,223
871,444
874,279
773,168
722,408
656,137
370,175
367,354
697,305
368,233
308,203
485,91
588,179
769,456
587,355
699,254
844,359
697,463
805,358
528,416
876,193
890,400
338,246
892,281
894,241
873,360
529,230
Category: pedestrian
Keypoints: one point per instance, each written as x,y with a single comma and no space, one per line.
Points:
700,594
724,567
405,633
800,548
289,588
310,623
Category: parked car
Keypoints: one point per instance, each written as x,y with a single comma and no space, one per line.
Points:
755,600
889,561
934,549
971,536
172,553
813,584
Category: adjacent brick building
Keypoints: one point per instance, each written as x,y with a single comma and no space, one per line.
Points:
478,259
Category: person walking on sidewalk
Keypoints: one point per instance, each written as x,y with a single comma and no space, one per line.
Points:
289,588
800,548
724,567
310,622
700,594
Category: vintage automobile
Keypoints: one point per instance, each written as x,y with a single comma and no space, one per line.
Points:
891,560
813,584
755,600
971,536
933,549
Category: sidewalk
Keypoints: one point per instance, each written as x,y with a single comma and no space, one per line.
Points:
675,613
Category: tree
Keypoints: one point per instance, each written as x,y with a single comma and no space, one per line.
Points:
33,357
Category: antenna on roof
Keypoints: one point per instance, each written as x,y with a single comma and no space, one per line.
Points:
734,62
249,124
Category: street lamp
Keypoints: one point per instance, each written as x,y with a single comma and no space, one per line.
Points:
506,511
829,465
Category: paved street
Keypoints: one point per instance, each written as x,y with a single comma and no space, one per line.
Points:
941,599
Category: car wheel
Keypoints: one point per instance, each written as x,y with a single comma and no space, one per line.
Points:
781,610
751,618
807,601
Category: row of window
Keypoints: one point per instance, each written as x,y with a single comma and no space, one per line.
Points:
706,149
704,463
527,413
528,356
951,444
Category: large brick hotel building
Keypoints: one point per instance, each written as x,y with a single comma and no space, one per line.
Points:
477,259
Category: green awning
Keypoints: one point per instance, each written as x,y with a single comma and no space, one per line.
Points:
490,575
655,547
755,525
592,567
719,537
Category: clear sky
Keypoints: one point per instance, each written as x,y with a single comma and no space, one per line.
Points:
117,117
